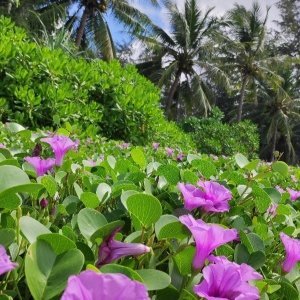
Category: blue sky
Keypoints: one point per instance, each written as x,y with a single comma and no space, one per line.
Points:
158,15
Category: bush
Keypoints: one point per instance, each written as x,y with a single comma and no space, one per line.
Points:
213,137
38,83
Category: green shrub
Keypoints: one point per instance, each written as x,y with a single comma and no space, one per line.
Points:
214,137
38,83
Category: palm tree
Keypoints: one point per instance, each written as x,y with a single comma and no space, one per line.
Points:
277,115
182,60
244,54
87,17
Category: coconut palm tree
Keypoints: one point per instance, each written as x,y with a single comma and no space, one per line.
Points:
277,114
88,19
244,54
182,59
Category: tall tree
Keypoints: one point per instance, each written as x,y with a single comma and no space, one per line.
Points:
243,52
88,19
182,59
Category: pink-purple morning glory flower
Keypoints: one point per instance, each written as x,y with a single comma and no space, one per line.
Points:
90,285
207,237
42,166
214,196
169,151
110,249
180,156
292,248
294,194
272,209
279,189
2,146
227,281
5,263
155,145
60,145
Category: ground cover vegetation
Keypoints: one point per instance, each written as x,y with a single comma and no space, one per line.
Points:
162,178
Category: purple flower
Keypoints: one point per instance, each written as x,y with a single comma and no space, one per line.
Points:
279,189
293,177
180,156
124,146
207,237
93,163
5,263
89,285
214,196
111,249
155,145
170,151
2,146
37,150
43,203
292,248
294,194
272,209
60,146
42,166
227,280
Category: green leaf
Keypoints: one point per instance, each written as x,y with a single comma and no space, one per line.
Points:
282,209
49,183
89,221
184,260
106,230
11,176
252,241
32,228
15,127
31,188
58,242
7,237
252,165
255,259
241,160
262,199
274,194
146,208
288,291
89,199
120,186
168,226
10,202
190,177
154,279
205,167
281,167
47,273
139,158
114,268
170,172
103,192
170,292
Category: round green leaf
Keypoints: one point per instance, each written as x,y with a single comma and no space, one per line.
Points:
10,201
154,279
49,183
58,242
31,188
145,208
31,228
106,230
184,260
241,160
89,199
89,221
281,167
11,176
47,273
170,172
139,158
103,192
7,237
114,268
205,167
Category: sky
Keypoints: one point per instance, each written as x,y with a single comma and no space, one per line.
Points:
158,16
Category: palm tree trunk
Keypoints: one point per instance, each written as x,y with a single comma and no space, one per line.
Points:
274,140
172,93
81,27
242,96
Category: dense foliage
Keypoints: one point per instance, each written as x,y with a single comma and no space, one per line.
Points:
100,98
217,138
72,207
